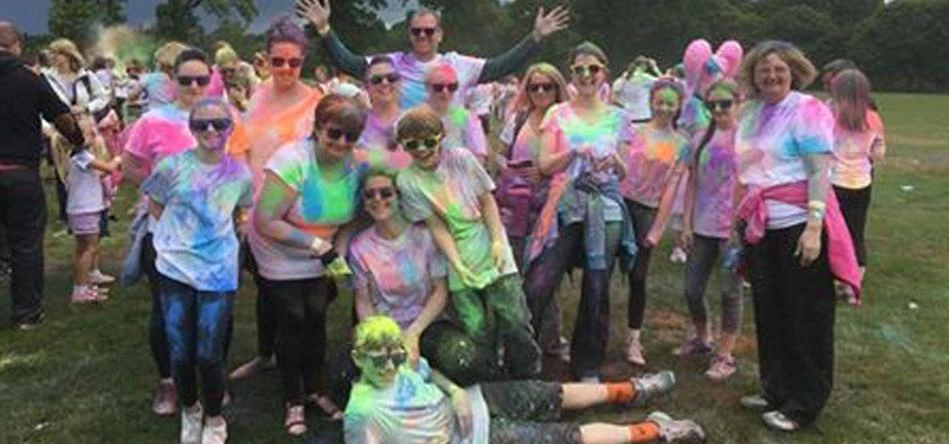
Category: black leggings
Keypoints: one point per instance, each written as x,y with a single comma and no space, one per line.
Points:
854,205
265,311
642,217
157,335
301,332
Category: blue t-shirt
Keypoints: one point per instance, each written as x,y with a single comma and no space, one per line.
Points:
195,239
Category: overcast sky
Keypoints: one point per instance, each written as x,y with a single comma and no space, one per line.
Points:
31,15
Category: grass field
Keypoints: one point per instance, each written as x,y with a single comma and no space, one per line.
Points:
86,376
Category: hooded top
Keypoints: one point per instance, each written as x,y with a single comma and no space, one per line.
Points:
24,97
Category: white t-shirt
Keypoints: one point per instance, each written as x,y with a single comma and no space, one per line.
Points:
633,94
413,75
85,185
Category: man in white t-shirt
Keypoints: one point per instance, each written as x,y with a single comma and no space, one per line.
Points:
425,34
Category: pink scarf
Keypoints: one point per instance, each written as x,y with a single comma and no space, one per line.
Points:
840,251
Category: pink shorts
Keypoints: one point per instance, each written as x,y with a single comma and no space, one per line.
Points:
84,223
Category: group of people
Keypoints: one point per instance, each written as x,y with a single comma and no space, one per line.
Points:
454,250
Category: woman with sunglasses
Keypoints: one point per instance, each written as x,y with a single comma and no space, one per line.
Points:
654,163
522,192
308,197
399,401
708,233
196,196
452,193
462,128
584,215
400,273
425,35
795,239
159,133
280,112
378,139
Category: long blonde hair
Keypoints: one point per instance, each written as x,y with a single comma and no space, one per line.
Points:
522,102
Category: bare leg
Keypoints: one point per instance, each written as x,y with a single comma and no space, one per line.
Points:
600,433
86,249
580,396
726,344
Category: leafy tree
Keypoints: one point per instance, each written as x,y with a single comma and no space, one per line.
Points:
74,19
176,19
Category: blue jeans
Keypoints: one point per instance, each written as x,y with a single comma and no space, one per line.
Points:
197,324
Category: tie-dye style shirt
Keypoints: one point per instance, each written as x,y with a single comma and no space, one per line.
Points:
652,156
413,73
463,130
772,138
411,410
195,239
159,89
264,128
320,208
451,192
852,151
401,273
715,179
378,139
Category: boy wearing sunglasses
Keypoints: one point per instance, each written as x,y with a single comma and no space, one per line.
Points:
452,193
425,35
398,402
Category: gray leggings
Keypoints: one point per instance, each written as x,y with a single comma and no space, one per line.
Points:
698,268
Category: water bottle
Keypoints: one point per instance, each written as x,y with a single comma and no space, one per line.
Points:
731,258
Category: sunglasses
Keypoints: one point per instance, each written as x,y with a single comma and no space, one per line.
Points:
378,193
391,77
440,87
336,134
219,125
586,70
719,105
189,80
278,62
538,87
398,357
414,145
427,31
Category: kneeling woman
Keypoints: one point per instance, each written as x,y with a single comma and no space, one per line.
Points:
410,403
194,196
400,273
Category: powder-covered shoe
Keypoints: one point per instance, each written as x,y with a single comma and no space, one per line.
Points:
676,430
776,420
721,369
634,351
191,424
653,385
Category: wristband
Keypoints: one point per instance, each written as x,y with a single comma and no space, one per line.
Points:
316,245
816,205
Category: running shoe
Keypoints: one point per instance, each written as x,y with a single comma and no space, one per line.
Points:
165,402
651,386
191,419
777,421
99,278
216,434
634,351
721,369
755,402
676,430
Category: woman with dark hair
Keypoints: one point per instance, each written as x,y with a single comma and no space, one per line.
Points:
795,238
522,192
584,220
162,132
280,112
309,194
858,147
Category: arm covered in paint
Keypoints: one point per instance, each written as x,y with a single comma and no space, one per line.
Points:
666,202
344,59
276,198
498,66
492,218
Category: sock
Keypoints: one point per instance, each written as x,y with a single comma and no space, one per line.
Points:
643,432
634,335
620,392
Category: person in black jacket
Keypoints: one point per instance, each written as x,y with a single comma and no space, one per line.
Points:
25,97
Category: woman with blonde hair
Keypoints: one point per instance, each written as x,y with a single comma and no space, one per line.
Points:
158,86
795,239
522,190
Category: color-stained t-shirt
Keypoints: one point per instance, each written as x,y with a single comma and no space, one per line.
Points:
715,176
601,138
652,156
852,151
772,138
320,208
195,240
463,130
413,73
85,185
401,273
633,94
412,410
525,145
159,88
451,192
264,128
378,140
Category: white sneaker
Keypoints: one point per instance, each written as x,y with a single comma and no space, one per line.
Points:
634,351
99,278
678,256
754,402
191,420
677,430
214,434
776,420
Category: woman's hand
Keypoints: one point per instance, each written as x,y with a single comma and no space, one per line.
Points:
809,244
459,402
549,23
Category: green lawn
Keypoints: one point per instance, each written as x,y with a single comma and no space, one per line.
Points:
86,376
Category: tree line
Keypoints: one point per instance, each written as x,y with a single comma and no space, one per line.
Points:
903,45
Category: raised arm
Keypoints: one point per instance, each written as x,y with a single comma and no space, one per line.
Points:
545,24
318,13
